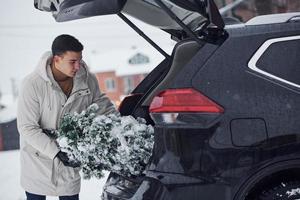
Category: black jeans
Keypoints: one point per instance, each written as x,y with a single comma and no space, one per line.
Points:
31,196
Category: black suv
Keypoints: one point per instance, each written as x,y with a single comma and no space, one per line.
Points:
225,104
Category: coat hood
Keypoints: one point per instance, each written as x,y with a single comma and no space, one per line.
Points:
44,64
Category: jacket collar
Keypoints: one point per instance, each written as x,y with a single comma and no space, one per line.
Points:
43,70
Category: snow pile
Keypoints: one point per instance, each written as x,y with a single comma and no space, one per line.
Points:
10,188
293,192
119,144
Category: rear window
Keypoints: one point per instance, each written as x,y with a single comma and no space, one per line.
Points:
244,10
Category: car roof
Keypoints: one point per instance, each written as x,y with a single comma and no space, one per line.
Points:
273,18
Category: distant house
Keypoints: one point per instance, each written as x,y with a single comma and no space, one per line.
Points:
119,72
116,87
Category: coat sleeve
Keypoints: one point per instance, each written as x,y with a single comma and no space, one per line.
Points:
104,103
28,115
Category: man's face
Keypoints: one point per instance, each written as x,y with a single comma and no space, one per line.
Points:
68,63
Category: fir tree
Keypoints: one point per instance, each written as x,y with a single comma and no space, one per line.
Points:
119,144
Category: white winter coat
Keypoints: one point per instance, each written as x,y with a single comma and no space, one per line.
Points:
41,105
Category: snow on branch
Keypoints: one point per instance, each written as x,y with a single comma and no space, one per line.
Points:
119,144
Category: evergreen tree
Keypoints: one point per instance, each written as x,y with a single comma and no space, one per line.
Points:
119,144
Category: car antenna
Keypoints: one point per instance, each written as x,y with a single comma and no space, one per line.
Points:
141,33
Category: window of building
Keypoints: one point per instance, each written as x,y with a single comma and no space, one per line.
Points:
110,84
128,84
139,59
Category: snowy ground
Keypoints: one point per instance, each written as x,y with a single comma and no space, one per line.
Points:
10,188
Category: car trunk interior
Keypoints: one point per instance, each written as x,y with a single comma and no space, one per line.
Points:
174,17
160,78
150,12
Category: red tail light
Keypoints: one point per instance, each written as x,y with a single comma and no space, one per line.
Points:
183,100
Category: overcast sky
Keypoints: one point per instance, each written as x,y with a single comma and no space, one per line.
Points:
26,33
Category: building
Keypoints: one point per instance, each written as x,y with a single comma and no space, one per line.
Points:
120,71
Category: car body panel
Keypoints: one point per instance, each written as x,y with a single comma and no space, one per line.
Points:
188,159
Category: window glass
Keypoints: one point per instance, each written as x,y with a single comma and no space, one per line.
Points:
282,60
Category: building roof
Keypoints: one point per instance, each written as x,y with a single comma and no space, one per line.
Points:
127,61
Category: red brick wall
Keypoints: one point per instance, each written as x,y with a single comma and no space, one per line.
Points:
115,95
112,94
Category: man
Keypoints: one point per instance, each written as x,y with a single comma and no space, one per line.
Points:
60,84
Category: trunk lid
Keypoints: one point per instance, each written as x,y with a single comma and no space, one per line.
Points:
164,14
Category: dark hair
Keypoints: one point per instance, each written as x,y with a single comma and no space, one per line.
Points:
63,43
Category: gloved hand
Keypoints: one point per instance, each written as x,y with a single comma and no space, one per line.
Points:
63,157
51,133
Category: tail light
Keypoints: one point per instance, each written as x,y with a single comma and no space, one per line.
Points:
185,100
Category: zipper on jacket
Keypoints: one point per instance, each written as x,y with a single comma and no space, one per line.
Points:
81,93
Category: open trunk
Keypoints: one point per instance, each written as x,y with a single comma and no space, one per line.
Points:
176,17
195,26
188,20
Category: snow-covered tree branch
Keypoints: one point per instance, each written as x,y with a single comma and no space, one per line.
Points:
114,143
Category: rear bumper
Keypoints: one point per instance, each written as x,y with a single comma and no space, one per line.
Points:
148,188
142,188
